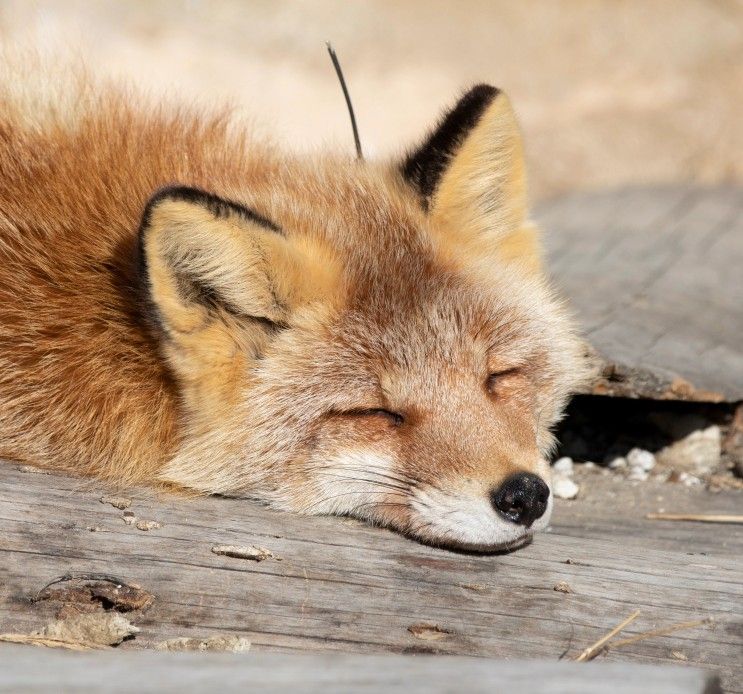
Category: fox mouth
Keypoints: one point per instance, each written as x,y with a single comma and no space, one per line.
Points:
468,548
463,517
468,522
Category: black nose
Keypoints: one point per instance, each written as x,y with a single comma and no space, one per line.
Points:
522,498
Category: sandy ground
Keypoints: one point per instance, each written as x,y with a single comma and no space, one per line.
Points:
609,93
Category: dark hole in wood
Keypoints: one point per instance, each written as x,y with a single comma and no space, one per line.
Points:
598,428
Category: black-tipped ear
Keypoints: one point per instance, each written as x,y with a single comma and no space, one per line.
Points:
199,252
470,177
424,167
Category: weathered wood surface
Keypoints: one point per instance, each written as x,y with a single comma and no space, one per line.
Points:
24,672
655,276
343,586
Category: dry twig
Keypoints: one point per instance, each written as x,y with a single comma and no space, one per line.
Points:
699,517
593,650
659,632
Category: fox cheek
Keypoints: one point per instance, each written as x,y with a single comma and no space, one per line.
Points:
355,481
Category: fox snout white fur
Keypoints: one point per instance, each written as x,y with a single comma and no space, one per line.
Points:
185,306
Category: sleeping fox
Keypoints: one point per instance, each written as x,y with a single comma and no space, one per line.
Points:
183,305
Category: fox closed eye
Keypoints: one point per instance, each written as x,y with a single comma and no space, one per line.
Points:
393,417
499,378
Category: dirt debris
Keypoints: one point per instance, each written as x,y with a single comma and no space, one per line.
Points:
35,640
31,469
562,587
251,552
429,632
87,593
698,454
227,643
95,629
119,502
733,442
718,483
477,587
146,525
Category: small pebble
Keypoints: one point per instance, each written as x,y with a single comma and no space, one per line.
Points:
618,463
689,480
563,587
642,459
637,474
129,517
147,525
563,465
119,502
679,655
565,488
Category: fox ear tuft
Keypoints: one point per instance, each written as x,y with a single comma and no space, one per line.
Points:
469,173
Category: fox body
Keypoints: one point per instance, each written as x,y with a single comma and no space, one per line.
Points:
181,304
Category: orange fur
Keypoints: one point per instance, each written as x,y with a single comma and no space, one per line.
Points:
267,364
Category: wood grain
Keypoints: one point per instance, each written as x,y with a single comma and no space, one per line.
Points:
24,671
655,276
343,586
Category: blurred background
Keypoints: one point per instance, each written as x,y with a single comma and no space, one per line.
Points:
609,93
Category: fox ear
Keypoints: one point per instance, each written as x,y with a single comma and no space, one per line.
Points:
469,174
202,255
220,280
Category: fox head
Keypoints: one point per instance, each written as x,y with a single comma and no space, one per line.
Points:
370,339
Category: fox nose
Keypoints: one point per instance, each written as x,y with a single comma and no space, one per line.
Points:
522,498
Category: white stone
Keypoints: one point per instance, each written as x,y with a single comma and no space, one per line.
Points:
563,466
637,474
618,463
565,488
689,480
642,459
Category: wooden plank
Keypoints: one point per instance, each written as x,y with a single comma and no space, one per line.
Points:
655,276
344,586
26,671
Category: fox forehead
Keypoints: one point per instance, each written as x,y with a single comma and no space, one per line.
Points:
390,256
364,213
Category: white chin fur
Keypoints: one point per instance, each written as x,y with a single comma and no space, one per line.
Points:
468,521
